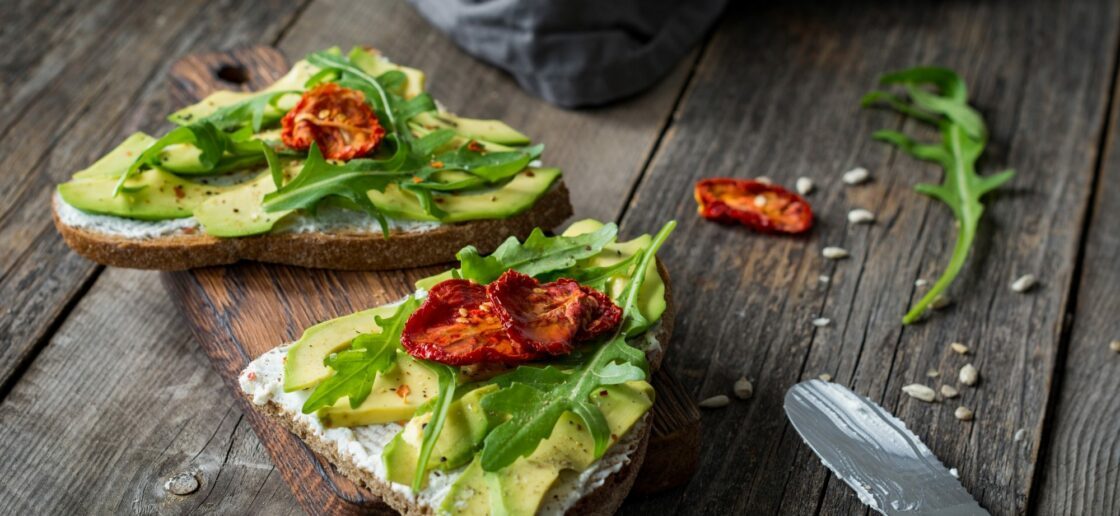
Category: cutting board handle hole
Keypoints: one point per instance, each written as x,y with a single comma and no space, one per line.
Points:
233,73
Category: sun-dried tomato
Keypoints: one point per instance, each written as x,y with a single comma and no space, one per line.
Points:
600,315
544,317
458,325
515,319
757,205
336,118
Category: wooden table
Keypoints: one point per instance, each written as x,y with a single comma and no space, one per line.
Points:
105,396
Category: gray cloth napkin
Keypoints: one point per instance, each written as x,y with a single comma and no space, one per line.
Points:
576,52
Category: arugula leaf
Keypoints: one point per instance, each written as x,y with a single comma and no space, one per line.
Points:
250,112
594,277
356,369
534,399
352,181
226,130
963,138
539,254
447,376
633,322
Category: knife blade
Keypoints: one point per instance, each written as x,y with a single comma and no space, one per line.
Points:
888,467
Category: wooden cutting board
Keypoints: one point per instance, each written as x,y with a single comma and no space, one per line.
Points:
239,312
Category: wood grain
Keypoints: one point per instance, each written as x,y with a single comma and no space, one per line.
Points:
233,313
777,93
96,77
1080,462
119,402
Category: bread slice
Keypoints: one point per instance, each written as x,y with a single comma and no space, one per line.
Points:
327,250
603,500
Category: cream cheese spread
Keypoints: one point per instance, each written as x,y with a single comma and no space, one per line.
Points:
328,219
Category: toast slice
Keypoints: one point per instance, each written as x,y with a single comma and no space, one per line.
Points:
356,452
347,250
306,171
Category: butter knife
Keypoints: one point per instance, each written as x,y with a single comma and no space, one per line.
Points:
889,468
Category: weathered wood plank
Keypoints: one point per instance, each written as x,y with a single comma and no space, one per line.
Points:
120,401
776,93
1081,458
101,80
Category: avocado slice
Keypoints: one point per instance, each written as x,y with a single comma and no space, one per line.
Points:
292,81
119,159
238,212
651,296
522,485
457,141
375,64
507,200
463,430
495,131
150,195
395,396
303,367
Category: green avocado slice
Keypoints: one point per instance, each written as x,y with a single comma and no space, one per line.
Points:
238,212
151,195
520,488
508,200
463,431
494,131
119,159
304,369
651,296
395,396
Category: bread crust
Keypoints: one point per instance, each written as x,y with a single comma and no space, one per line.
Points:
346,251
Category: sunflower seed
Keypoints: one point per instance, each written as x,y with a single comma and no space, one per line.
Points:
963,413
920,282
760,200
861,216
834,253
719,401
804,185
941,301
856,176
959,348
969,374
1024,283
919,391
949,391
933,373
743,389
1020,434
822,278
1114,345
764,180
821,322
825,377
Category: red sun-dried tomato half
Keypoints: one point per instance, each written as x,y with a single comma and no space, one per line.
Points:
600,315
458,325
544,318
760,206
336,118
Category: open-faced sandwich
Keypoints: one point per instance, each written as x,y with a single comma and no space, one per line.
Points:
517,383
343,163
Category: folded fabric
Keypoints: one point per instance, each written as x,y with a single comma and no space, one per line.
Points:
576,52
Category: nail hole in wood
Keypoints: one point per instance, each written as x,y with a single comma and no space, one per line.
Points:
233,73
